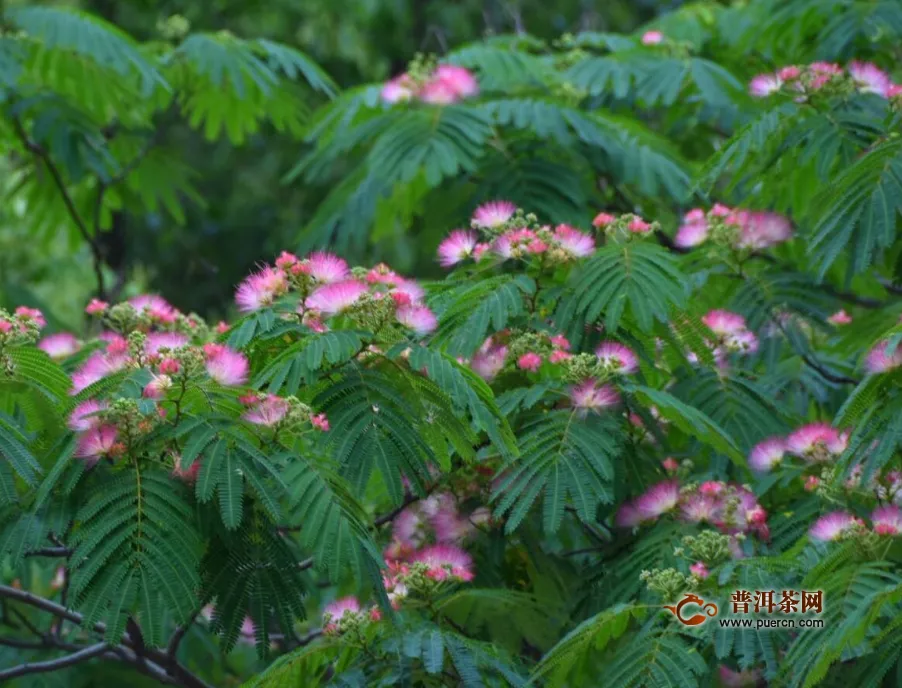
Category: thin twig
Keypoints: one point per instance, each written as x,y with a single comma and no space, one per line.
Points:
54,664
67,201
49,552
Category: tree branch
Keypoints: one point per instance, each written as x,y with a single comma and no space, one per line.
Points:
54,664
175,670
49,552
39,151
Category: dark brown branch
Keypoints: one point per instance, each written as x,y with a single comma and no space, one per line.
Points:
96,252
54,664
181,675
49,552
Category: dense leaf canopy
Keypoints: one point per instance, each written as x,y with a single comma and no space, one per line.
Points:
567,328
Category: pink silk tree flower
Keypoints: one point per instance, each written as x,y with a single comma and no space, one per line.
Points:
267,411
446,562
227,366
870,78
457,246
833,525
326,268
420,319
336,297
260,289
576,243
658,499
84,416
618,357
97,442
767,454
591,396
887,520
493,214
59,345
763,85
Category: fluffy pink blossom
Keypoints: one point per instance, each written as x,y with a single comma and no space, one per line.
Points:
638,226
742,341
758,230
155,306
336,297
652,38
765,455
670,464
493,214
420,319
870,78
399,89
529,361
446,562
99,365
326,267
699,570
164,340
226,366
789,73
557,356
816,442
724,323
409,289
260,289
603,220
592,396
620,358
887,520
456,247
96,442
286,260
628,516
169,366
658,499
488,361
335,612
458,80
31,314
840,318
189,475
83,416
694,229
559,341
517,239
894,90
811,483
878,361
59,345
832,525
320,422
96,307
573,241
764,84
267,411
699,508
156,388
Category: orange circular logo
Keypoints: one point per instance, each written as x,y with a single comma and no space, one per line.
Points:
709,608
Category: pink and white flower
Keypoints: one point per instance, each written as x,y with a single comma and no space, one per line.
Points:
832,526
724,323
156,388
458,80
267,411
399,89
155,306
96,307
336,297
870,78
59,345
420,319
693,231
260,289
603,220
457,246
590,395
758,230
617,357
99,365
493,214
628,516
446,562
698,507
652,38
320,422
164,340
879,361
31,315
887,520
767,454
816,442
84,416
227,366
658,499
699,570
529,361
326,268
488,361
840,318
97,442
574,242
336,611
763,85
